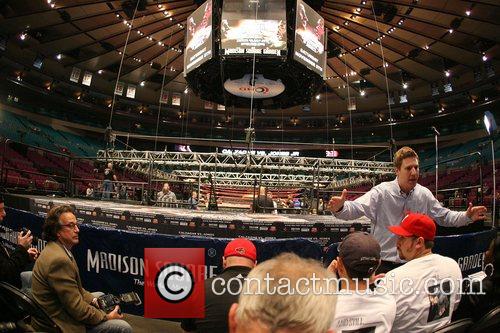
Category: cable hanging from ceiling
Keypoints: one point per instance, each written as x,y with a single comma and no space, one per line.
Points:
351,143
160,100
109,128
391,121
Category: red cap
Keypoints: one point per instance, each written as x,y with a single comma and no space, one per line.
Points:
414,224
241,247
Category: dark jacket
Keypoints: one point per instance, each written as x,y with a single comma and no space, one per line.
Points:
12,263
217,306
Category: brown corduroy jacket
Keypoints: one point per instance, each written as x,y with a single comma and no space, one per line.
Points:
58,289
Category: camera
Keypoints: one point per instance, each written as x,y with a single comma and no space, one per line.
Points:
109,301
23,231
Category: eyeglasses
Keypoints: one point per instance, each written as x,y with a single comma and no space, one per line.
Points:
71,225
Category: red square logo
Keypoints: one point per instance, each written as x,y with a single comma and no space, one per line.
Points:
174,283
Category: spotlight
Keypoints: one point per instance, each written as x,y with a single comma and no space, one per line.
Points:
100,71
59,56
450,31
447,73
405,85
485,58
362,92
489,123
22,36
318,97
186,90
426,47
142,83
468,12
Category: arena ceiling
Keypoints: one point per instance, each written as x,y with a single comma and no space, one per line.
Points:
384,49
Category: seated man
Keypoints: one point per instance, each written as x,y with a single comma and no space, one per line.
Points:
285,294
240,257
166,198
57,286
427,287
358,308
12,263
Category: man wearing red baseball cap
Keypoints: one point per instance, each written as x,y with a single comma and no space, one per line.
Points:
427,287
240,256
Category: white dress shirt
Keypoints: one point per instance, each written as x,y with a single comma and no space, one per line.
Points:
386,204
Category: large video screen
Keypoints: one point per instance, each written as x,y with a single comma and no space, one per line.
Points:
198,37
253,26
309,43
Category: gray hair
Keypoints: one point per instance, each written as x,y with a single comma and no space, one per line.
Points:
298,308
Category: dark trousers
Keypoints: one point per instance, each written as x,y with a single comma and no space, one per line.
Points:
386,266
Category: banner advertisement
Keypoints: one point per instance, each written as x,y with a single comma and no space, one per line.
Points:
75,75
87,78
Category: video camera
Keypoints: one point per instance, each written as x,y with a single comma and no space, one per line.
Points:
109,301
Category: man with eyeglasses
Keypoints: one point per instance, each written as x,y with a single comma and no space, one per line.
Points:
57,286
12,263
427,287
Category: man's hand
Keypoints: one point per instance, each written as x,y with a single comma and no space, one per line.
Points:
114,314
336,203
476,213
24,240
33,253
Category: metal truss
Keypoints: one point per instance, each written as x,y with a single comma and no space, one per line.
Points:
251,163
248,179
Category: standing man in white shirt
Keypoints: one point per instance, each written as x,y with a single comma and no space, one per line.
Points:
359,308
387,203
427,288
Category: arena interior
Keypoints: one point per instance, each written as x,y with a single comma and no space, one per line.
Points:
254,114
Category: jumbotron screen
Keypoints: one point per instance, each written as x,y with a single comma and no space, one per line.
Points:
310,38
198,37
253,26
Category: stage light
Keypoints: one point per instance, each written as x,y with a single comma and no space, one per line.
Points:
485,57
447,73
489,123
22,36
100,71
405,85
186,90
52,5
468,12
450,31
142,83
318,97
59,56
362,93
426,47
